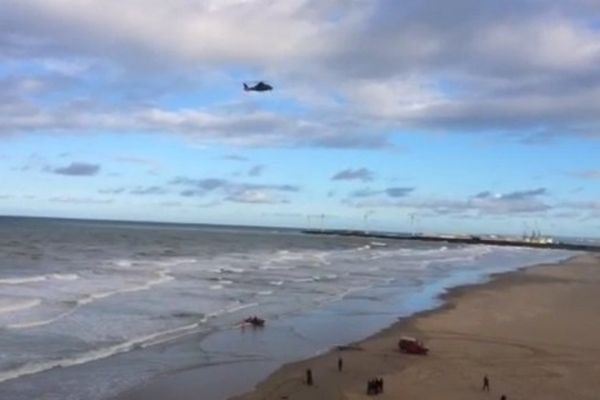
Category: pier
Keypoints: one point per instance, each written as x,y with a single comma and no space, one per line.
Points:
475,240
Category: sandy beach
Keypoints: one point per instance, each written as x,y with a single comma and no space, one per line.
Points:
534,332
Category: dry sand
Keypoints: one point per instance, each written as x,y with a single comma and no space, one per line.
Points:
535,333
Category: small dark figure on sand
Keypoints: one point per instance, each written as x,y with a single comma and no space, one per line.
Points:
375,386
503,397
486,384
340,364
309,377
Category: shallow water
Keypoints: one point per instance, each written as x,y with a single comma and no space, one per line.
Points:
117,304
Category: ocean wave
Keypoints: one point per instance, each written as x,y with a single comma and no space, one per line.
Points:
123,263
19,306
302,280
163,277
172,262
93,355
240,307
275,268
229,310
326,277
229,270
285,260
18,281
65,277
34,324
37,278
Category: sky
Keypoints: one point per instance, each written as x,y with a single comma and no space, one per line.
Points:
466,116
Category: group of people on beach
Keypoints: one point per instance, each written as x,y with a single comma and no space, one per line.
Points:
375,386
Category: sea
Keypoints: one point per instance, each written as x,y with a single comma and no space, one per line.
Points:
93,309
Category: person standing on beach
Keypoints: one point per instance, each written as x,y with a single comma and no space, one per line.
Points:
486,384
503,397
309,377
340,364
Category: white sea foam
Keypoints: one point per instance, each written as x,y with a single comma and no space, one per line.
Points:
232,270
37,278
163,277
92,355
302,280
14,306
19,281
240,307
34,324
124,263
65,277
276,267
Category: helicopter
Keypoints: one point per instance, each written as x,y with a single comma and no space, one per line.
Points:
258,87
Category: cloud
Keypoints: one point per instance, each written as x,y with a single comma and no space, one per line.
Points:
394,192
365,193
255,197
484,195
256,170
76,169
238,192
581,205
523,194
171,204
200,186
136,191
112,190
361,174
398,191
483,203
523,67
239,128
591,174
79,200
588,209
234,157
148,190
567,215
138,161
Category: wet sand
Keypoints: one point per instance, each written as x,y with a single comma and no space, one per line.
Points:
534,332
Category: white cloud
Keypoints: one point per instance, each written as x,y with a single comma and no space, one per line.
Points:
358,69
255,197
484,203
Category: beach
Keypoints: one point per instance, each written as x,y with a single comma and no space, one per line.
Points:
157,314
533,332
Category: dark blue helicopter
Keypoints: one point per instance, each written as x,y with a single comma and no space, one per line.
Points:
258,87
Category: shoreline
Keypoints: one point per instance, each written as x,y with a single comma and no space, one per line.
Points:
281,341
292,374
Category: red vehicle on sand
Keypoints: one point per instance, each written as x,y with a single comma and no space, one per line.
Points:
411,345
